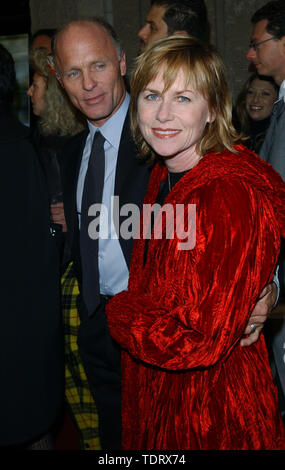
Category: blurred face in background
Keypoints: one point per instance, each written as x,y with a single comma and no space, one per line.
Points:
260,99
268,54
155,27
42,41
37,92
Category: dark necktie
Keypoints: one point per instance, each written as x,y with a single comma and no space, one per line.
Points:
92,193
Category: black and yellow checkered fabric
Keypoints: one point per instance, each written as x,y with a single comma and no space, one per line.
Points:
77,391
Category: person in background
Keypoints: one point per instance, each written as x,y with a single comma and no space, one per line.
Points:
187,384
253,109
267,53
31,342
167,17
42,39
57,122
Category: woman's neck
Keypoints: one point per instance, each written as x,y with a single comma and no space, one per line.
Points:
182,162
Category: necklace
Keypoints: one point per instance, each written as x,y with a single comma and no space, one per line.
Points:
169,182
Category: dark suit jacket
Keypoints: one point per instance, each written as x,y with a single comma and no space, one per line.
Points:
31,353
131,181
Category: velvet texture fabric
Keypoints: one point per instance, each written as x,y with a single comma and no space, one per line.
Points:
187,383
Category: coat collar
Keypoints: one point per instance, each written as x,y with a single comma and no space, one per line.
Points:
11,128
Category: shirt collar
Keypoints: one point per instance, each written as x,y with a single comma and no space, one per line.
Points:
282,91
112,129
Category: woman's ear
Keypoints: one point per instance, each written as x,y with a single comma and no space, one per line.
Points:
211,117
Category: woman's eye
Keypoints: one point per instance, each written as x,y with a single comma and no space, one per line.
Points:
151,97
183,99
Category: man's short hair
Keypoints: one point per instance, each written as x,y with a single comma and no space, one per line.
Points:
43,32
98,21
7,76
185,15
274,13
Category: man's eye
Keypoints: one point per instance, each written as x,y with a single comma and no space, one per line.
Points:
153,28
96,67
73,74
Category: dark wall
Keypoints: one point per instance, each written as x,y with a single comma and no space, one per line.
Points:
15,17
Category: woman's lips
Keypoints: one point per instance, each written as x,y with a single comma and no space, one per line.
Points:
255,108
165,133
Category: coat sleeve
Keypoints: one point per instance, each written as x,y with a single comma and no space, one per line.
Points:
218,283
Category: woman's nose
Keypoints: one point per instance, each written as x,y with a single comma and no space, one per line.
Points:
164,112
256,97
29,91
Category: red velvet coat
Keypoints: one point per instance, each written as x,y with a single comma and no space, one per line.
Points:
187,383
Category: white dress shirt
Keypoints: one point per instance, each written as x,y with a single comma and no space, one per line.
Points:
282,91
113,270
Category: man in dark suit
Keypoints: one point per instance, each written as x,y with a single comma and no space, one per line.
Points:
31,349
91,68
267,53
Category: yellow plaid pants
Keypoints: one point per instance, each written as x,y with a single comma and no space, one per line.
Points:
77,392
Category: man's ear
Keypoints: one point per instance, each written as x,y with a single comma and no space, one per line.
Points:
123,64
181,33
282,41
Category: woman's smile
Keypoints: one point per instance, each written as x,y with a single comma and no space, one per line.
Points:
165,133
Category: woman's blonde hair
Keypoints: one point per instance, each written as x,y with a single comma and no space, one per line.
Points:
204,70
59,117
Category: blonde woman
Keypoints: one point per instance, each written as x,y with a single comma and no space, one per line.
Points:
57,121
187,383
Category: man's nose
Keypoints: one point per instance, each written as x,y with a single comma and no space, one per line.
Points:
89,80
143,32
251,54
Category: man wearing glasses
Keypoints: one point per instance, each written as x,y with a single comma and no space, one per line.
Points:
267,53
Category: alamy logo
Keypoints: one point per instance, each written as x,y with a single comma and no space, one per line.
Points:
169,221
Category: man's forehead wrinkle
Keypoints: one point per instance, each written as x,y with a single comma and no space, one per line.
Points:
96,38
91,31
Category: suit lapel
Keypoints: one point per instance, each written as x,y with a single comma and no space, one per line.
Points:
278,109
72,167
126,157
131,181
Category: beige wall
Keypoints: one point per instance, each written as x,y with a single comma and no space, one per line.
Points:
229,20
